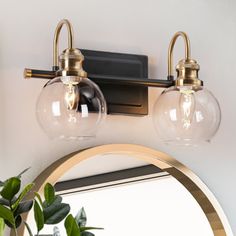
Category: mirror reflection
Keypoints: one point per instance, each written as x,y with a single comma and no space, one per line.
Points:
127,196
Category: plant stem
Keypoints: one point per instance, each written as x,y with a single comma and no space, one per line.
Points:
15,231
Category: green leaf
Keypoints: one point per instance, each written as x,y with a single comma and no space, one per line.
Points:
2,227
38,216
4,202
24,192
11,188
9,224
72,228
28,229
55,213
18,221
6,214
39,198
1,183
24,207
81,218
49,193
21,173
58,200
86,233
82,229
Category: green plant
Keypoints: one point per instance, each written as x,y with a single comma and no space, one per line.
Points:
48,211
12,203
51,211
77,225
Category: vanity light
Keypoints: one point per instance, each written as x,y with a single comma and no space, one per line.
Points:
186,113
70,105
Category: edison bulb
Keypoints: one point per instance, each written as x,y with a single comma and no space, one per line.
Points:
71,96
187,106
186,115
71,108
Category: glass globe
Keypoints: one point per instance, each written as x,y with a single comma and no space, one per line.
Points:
70,108
186,115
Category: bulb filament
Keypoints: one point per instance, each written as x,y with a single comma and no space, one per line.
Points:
71,96
187,107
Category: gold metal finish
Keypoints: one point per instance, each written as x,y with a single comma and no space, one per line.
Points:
56,39
187,73
192,183
27,73
187,69
42,74
171,48
69,63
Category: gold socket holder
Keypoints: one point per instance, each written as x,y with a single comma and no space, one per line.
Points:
70,63
187,69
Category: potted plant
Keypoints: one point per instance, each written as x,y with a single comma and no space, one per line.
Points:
48,211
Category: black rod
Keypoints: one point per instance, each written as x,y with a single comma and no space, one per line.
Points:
39,74
105,79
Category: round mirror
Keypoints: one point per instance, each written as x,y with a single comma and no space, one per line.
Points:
130,189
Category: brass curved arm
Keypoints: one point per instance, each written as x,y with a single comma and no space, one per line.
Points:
171,47
56,38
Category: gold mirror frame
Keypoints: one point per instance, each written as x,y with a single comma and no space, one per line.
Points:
186,177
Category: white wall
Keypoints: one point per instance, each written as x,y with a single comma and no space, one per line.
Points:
132,26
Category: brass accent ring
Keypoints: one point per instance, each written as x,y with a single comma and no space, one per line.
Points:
27,73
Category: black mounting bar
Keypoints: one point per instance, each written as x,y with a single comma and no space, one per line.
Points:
131,81
109,79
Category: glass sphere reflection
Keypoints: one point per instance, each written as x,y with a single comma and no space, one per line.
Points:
186,115
70,108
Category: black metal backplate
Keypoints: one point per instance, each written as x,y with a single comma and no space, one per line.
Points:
123,99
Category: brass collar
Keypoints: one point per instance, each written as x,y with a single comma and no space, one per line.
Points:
70,63
187,73
187,69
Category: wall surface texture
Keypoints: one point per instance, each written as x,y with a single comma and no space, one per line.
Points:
128,26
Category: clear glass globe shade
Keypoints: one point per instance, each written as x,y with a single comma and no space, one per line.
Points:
186,115
70,110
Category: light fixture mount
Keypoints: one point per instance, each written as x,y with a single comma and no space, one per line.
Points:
70,61
187,69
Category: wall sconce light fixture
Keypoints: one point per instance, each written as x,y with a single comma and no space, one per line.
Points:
72,106
186,113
